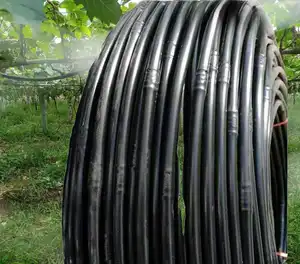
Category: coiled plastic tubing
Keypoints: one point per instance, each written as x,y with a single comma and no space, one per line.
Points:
179,149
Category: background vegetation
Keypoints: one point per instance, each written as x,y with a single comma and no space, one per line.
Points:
46,48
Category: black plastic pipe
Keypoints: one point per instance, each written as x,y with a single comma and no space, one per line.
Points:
217,64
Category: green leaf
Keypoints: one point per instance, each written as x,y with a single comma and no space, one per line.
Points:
33,50
25,11
72,22
108,11
13,34
5,14
44,36
127,7
85,30
78,34
69,5
27,32
50,27
43,46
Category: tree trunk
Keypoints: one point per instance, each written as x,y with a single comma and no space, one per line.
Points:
70,118
55,103
43,104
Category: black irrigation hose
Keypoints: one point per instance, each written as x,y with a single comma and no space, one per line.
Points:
217,62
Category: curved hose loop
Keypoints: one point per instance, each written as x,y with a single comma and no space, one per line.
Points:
224,78
198,94
122,193
260,153
167,69
247,181
101,128
117,156
189,85
79,140
232,129
279,147
128,114
172,124
144,146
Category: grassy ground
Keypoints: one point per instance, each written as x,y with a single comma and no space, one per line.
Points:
31,173
294,183
31,234
32,168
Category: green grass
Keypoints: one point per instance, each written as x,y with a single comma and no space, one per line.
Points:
294,209
294,126
31,234
32,169
28,157
294,183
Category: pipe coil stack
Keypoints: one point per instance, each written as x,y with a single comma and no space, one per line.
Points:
130,197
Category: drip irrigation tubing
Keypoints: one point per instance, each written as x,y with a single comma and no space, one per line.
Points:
178,154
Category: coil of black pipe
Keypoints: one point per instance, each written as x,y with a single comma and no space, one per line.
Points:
179,150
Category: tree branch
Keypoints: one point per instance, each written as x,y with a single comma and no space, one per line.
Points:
281,40
49,2
294,80
47,61
63,43
290,45
8,44
22,43
46,79
295,51
60,72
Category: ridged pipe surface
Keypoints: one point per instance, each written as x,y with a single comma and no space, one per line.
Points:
179,150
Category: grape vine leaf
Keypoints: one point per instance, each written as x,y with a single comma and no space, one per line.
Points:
127,7
25,11
108,11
